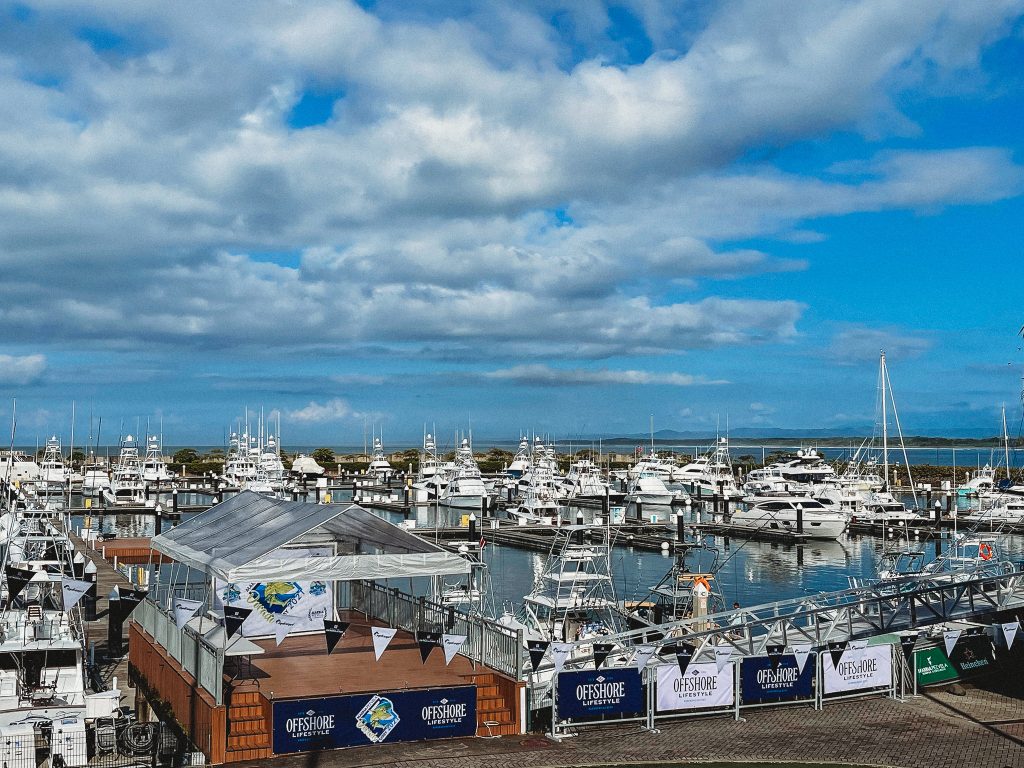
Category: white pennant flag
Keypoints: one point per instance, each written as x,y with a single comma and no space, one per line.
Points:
801,651
723,653
559,653
950,636
643,655
1010,632
381,637
451,645
73,591
184,610
282,626
856,649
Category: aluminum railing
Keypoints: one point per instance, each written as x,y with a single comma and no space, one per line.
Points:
197,656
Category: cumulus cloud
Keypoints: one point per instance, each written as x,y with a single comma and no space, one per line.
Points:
332,410
547,376
20,371
854,345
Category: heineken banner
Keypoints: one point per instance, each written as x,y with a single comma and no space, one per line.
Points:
703,685
870,667
775,678
592,693
933,667
310,725
972,655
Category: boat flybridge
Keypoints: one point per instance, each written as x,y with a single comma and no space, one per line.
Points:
54,474
154,468
464,488
709,474
379,467
127,487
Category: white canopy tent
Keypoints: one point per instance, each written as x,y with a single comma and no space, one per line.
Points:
248,537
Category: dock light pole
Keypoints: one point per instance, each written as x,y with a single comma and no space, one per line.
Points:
472,527
799,518
938,514
681,523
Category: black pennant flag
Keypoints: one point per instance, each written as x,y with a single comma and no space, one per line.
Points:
684,655
427,641
129,601
775,655
234,618
601,651
836,651
907,643
333,632
17,578
537,650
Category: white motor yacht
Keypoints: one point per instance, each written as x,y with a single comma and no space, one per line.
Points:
464,488
126,485
709,474
154,468
648,488
779,513
53,472
379,466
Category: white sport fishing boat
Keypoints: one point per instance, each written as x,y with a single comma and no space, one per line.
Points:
126,485
648,488
53,472
464,488
154,468
379,466
709,474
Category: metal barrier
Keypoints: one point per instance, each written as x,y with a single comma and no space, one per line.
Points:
487,641
110,743
198,657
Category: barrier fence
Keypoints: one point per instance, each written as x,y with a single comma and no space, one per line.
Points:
202,660
109,743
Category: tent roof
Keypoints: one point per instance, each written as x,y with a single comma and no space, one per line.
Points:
243,537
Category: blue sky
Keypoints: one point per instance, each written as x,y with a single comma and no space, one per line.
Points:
510,216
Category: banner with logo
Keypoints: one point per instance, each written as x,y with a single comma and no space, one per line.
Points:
310,725
869,667
973,655
933,667
703,685
591,693
775,678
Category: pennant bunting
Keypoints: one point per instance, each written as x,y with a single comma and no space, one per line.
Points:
801,651
234,618
282,626
601,652
333,632
73,590
775,655
723,655
537,649
856,648
427,641
381,638
684,655
560,652
836,651
129,600
949,637
17,578
184,610
1010,632
451,645
907,643
643,655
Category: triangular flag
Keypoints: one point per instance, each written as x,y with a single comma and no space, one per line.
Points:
381,637
560,652
802,651
723,654
949,637
184,610
856,648
427,641
72,591
282,626
836,651
643,655
907,643
775,655
684,655
234,618
333,632
601,651
537,649
17,578
129,600
1010,632
451,645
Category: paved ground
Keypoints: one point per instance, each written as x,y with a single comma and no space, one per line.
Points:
984,729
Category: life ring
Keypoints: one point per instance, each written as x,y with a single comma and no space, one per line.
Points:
985,551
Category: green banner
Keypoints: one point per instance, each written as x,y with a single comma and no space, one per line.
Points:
933,667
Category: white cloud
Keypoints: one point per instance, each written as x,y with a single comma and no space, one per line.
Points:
854,345
544,375
23,370
332,410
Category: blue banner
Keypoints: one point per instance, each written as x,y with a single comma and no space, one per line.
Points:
600,692
309,725
760,683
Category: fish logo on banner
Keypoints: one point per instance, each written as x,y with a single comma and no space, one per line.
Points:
907,643
684,655
836,651
1010,632
234,618
333,632
72,591
949,637
775,655
377,719
601,652
723,655
382,636
184,610
427,641
537,649
643,655
282,627
801,651
560,652
451,645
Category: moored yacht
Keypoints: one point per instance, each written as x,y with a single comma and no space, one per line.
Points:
126,485
779,513
709,474
379,466
464,488
648,488
154,468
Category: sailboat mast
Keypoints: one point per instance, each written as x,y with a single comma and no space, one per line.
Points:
885,422
1006,443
